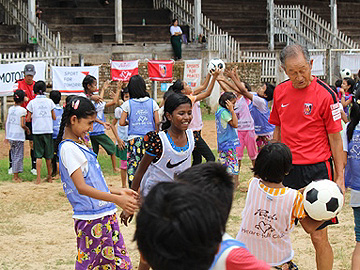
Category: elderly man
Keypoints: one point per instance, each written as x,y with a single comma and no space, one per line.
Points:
307,117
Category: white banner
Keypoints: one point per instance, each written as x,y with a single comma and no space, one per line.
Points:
192,72
10,73
318,65
350,61
68,80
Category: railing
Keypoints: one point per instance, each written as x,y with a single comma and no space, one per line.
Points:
298,24
52,59
184,12
16,13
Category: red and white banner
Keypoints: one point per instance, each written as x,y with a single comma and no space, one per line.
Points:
124,70
161,70
68,80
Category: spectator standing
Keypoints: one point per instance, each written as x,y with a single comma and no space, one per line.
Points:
176,33
307,115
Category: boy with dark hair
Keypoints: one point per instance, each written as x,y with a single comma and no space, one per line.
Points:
178,228
55,96
213,179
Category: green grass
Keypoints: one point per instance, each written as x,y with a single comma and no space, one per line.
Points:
104,161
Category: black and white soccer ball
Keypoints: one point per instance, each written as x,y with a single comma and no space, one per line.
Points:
323,199
216,63
345,73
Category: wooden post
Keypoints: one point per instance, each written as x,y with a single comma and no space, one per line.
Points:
32,16
271,19
154,84
197,21
118,21
333,11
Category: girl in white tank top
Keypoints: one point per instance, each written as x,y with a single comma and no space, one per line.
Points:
167,153
271,209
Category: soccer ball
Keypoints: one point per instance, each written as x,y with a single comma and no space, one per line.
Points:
345,73
323,199
216,63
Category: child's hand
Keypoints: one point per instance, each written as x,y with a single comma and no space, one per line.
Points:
216,73
119,84
27,131
106,84
121,144
125,218
342,91
107,125
96,98
127,202
229,105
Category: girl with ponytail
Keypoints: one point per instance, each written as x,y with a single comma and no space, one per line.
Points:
167,152
94,204
351,144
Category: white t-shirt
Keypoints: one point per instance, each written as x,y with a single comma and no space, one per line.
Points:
14,131
126,108
41,107
175,29
73,158
259,103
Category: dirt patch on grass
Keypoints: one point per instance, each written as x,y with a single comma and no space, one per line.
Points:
36,228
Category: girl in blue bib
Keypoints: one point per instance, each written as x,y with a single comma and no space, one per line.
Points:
140,113
351,144
99,241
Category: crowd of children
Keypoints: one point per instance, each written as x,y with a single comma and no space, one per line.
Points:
191,213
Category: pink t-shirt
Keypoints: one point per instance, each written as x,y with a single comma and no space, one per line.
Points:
196,123
245,121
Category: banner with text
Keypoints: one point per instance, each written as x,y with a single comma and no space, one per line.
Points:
161,70
124,70
68,80
318,65
10,73
192,72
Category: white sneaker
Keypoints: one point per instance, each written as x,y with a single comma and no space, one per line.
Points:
33,171
10,171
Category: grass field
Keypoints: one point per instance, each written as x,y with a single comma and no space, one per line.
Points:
36,228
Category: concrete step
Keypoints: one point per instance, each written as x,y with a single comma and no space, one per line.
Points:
16,47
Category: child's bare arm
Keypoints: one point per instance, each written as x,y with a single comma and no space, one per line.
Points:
234,121
125,201
115,99
202,87
208,92
157,121
123,117
53,115
23,125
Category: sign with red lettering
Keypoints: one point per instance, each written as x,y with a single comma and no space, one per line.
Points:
192,72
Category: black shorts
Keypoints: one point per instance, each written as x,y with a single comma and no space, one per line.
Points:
29,137
302,175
